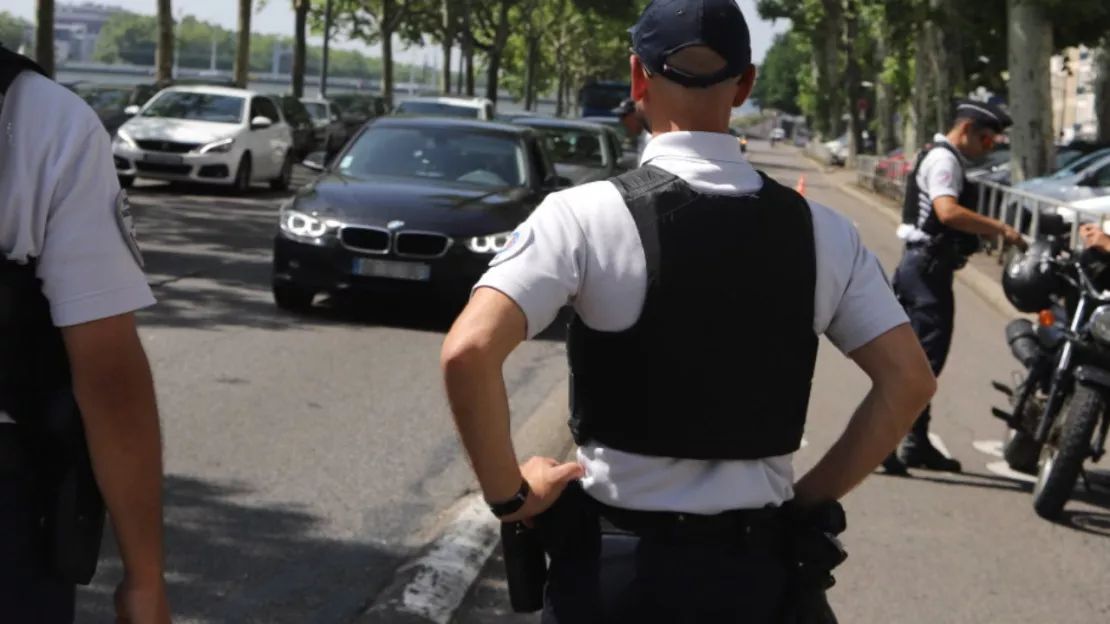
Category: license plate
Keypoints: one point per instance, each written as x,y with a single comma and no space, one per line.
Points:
414,271
164,159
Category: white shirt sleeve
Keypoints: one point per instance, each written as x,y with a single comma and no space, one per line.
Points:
87,266
868,307
944,177
541,269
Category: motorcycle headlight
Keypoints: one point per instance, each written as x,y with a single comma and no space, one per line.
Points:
490,244
1100,324
304,225
218,147
122,138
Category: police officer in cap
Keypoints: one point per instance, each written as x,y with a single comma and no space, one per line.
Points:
941,229
635,125
72,279
688,393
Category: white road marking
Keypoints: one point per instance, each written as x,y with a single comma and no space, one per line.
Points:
989,447
1003,469
444,575
939,444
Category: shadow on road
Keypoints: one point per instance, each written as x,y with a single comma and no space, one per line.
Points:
229,562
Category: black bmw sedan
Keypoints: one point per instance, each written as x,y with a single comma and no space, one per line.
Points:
411,204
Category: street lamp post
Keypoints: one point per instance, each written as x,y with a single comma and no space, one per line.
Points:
324,63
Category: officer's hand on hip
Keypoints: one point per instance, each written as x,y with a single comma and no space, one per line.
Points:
546,479
142,602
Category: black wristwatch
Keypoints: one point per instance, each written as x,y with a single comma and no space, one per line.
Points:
513,505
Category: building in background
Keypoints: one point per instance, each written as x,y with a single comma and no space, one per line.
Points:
76,28
1073,94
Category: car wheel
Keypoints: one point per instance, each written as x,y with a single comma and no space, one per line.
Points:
126,182
243,175
293,297
285,178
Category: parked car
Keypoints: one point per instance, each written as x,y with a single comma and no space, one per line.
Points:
327,118
469,108
306,139
116,103
583,152
1085,178
359,108
411,204
209,135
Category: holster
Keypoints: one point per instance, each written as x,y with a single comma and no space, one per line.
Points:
813,552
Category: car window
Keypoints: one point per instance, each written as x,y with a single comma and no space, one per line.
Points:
142,94
337,112
1080,164
197,106
105,100
450,154
267,108
571,146
317,110
1100,177
411,107
541,168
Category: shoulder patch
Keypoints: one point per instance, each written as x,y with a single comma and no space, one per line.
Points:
519,240
125,220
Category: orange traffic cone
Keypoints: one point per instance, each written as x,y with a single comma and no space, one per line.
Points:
801,189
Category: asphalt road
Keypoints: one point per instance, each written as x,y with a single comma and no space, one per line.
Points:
306,457
947,548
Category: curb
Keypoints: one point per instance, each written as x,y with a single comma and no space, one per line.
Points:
430,588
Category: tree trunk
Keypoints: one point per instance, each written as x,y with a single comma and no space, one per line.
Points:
1102,94
300,45
500,38
852,80
243,46
831,37
884,94
387,67
942,55
44,35
163,55
920,104
1030,51
531,64
449,36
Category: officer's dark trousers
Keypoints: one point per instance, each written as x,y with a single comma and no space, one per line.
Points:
602,575
27,594
924,288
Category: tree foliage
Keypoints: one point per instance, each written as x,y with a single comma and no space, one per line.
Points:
777,80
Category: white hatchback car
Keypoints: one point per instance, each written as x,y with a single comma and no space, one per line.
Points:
470,108
208,135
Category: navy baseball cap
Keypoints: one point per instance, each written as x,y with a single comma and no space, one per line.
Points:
668,26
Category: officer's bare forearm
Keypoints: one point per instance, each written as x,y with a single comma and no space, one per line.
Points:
480,405
902,384
966,220
114,388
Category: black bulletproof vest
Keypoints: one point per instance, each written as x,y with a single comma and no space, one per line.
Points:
720,362
918,211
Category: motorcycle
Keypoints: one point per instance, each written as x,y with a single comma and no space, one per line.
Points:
1058,403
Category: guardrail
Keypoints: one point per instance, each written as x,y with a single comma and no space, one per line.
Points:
1026,212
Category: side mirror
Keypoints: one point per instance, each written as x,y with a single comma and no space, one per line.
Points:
131,111
316,161
260,122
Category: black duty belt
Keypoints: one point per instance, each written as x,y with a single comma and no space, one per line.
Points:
726,526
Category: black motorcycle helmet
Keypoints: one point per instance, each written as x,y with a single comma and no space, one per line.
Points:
1029,280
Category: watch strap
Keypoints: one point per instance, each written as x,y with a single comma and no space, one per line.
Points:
514,504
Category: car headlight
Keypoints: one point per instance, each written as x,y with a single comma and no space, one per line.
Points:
218,147
304,225
122,138
490,244
1100,324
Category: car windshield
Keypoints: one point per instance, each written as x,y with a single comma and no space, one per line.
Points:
412,107
318,110
196,106
437,153
356,104
1065,157
575,147
104,100
1079,164
603,96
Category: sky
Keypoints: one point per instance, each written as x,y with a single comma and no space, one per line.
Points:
277,18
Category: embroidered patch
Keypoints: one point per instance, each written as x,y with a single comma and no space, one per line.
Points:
519,240
125,220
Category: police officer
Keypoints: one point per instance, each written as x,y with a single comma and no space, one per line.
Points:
635,125
941,229
689,394
71,276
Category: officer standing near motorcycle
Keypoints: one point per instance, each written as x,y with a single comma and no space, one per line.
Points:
76,394
680,506
634,123
941,229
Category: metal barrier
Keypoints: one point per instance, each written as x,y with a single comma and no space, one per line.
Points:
1029,213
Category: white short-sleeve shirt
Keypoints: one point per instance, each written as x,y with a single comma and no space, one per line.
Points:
941,175
581,247
63,204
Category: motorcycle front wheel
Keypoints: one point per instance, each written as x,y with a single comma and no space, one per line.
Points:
1062,459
